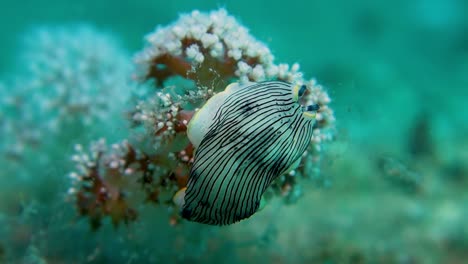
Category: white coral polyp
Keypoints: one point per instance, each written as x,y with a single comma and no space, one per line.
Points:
193,53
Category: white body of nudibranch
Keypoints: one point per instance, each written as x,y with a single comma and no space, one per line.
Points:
245,137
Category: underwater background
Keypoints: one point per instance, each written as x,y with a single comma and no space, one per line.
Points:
390,184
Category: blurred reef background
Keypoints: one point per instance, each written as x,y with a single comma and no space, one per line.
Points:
385,180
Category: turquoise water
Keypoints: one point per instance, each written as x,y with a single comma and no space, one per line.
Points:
389,187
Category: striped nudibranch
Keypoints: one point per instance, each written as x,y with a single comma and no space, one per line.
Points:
245,137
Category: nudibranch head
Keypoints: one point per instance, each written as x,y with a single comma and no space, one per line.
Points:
245,137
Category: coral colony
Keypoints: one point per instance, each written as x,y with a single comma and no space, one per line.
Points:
64,91
181,67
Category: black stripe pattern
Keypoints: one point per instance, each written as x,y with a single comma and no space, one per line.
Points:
256,135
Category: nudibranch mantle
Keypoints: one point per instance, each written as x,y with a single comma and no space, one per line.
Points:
245,137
